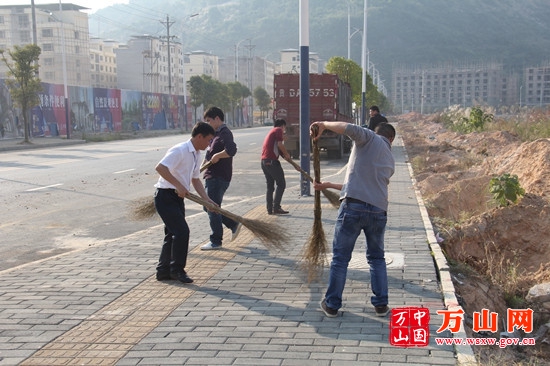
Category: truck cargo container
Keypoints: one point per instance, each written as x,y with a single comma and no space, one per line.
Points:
329,100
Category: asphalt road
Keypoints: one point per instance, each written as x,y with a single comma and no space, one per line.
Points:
60,199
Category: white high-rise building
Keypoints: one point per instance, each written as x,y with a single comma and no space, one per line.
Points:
143,65
58,33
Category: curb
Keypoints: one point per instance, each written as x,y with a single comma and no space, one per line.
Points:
464,353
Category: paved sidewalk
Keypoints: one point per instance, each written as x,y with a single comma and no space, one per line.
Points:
248,306
11,143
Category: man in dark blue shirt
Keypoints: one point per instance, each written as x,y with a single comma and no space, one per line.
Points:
218,175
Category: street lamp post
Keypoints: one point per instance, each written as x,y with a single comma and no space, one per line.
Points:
520,88
64,65
237,58
364,66
350,35
185,85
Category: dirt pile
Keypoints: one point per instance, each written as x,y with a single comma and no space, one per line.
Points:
453,172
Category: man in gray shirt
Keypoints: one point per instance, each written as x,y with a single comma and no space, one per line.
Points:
364,197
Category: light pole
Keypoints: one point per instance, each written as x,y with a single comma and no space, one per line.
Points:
64,65
520,88
364,66
349,39
349,29
237,58
185,85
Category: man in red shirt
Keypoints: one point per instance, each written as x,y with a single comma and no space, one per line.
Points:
271,166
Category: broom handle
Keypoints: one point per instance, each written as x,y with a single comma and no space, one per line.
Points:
208,205
206,166
297,167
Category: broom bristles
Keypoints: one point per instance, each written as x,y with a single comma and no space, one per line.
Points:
314,254
143,208
332,197
272,235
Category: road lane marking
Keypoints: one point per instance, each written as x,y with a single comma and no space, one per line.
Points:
44,187
123,171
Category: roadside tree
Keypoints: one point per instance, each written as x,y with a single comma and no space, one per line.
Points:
23,81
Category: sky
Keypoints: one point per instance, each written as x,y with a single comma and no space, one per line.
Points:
93,5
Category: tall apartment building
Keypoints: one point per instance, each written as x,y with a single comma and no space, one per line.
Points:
199,63
103,63
290,62
431,89
535,90
143,64
253,72
58,33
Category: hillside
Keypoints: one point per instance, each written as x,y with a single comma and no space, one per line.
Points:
399,32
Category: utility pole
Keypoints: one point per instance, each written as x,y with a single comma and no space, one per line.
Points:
167,24
34,37
250,47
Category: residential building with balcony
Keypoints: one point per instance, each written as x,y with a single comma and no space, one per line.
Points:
430,89
535,90
142,64
58,33
103,68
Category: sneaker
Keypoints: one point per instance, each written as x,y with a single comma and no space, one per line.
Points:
211,246
237,231
182,277
330,312
382,310
279,211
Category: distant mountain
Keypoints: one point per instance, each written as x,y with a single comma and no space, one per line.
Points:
405,32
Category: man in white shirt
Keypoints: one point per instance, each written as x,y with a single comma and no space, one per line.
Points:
178,170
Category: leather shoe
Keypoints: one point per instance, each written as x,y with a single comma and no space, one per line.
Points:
182,277
279,211
163,276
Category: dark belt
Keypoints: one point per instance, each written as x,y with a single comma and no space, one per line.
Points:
352,200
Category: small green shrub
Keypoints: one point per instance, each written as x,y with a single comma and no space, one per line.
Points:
505,189
476,121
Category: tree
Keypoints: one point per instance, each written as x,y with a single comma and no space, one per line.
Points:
237,93
263,101
25,85
350,72
197,91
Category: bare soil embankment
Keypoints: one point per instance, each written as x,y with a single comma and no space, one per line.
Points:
501,244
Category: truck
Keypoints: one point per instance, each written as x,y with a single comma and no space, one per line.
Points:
330,100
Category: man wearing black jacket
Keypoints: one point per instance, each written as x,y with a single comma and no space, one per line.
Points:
218,175
375,117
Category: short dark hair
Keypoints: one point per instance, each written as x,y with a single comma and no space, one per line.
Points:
375,108
214,112
279,122
202,128
386,130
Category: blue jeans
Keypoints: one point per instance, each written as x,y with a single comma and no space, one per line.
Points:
171,209
215,188
274,173
352,219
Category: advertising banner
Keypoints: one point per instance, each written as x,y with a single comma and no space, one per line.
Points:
107,110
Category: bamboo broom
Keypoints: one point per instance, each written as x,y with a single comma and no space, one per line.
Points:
272,235
314,254
333,197
144,208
